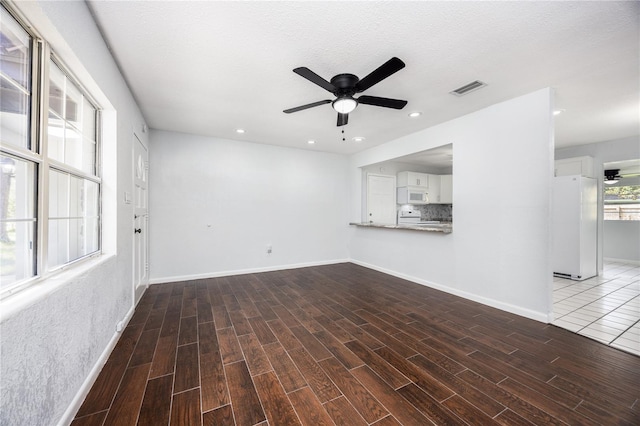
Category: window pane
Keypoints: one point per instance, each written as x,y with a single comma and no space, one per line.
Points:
56,90
15,81
88,120
58,194
16,51
622,202
55,138
17,220
72,123
73,218
73,105
17,261
73,148
58,244
89,156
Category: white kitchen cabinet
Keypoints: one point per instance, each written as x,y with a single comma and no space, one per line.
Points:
446,189
413,179
581,166
434,189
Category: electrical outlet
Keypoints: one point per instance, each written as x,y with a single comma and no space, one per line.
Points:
269,248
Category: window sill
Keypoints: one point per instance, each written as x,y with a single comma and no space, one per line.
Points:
41,288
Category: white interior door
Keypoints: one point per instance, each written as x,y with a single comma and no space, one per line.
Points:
140,218
381,199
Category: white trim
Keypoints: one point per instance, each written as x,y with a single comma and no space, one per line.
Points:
527,313
176,278
89,381
629,261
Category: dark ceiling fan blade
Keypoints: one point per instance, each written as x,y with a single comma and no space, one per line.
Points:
382,102
392,66
314,78
300,108
343,119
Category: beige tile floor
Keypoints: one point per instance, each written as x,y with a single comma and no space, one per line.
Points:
604,308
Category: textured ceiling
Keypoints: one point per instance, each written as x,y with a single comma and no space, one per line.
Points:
211,67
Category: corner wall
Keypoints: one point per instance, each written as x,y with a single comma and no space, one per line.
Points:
498,252
216,204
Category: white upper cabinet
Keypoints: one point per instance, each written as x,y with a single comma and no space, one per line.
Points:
581,166
438,187
413,179
446,189
434,189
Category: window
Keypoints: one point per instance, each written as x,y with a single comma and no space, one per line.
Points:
49,174
622,202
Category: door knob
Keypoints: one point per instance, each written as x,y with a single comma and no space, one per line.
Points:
138,231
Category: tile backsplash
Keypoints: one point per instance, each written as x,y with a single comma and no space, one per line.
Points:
441,212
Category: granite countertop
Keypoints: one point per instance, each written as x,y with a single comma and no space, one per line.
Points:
441,227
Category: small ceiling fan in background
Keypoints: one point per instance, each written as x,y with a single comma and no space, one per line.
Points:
612,176
345,86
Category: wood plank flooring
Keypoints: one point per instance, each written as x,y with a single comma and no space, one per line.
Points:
345,345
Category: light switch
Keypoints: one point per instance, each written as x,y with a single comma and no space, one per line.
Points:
127,197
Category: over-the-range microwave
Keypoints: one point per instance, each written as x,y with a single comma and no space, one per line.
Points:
412,195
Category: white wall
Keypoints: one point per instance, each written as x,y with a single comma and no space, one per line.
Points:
498,252
622,240
215,204
54,335
623,234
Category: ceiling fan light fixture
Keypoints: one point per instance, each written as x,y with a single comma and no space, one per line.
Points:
344,104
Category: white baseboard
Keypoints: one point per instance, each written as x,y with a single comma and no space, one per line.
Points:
82,393
176,278
527,313
630,262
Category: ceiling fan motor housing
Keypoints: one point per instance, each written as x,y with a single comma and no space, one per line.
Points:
612,174
345,84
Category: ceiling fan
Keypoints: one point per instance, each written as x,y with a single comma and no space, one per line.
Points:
345,86
612,176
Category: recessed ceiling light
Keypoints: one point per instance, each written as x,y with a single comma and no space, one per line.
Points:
239,130
311,142
415,114
558,111
358,138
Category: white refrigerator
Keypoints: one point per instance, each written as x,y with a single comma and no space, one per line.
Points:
575,227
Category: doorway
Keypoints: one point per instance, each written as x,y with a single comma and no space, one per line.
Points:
381,199
140,218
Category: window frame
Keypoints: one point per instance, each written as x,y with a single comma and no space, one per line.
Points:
37,153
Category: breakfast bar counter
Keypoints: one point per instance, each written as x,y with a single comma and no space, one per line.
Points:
440,227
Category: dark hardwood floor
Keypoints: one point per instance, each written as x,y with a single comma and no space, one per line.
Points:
345,345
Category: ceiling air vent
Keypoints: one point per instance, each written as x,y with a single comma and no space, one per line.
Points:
474,85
